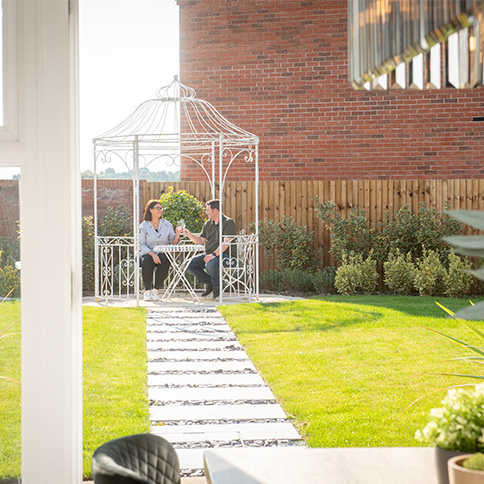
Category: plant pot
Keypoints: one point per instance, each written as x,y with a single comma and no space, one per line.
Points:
461,475
441,458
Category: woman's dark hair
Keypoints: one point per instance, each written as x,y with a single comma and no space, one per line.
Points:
150,205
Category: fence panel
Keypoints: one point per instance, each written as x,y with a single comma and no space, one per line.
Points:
295,199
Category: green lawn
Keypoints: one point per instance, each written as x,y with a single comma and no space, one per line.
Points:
115,386
346,367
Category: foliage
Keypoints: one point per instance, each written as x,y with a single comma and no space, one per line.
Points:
405,231
323,280
458,279
291,245
337,350
471,246
115,222
476,462
355,274
430,275
9,276
88,269
368,275
458,424
348,275
399,272
181,205
412,232
351,235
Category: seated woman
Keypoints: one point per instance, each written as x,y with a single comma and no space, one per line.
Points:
153,231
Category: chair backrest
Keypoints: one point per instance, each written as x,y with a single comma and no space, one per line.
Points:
136,459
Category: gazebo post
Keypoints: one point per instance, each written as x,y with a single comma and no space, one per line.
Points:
136,222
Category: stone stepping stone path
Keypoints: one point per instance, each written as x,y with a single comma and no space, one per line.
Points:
204,391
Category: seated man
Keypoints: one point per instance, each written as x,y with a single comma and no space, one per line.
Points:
206,266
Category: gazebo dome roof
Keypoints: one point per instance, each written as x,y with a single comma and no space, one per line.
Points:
176,117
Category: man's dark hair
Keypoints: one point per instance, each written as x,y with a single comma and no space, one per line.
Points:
214,204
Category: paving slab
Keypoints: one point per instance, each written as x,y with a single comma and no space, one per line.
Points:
190,458
200,437
245,431
187,328
197,394
196,355
216,412
213,379
188,336
161,366
193,345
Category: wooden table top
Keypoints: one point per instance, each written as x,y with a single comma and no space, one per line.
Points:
298,465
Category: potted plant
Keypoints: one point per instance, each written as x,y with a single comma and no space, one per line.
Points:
466,469
456,428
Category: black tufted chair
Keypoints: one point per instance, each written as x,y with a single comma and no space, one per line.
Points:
136,459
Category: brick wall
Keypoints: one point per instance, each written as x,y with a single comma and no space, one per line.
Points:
279,70
111,193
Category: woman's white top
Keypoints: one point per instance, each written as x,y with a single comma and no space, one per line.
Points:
149,237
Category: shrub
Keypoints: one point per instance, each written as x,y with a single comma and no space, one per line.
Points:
291,245
116,222
457,280
297,280
323,281
351,235
399,272
348,275
181,205
9,279
430,275
368,275
272,280
410,232
88,265
9,276
356,274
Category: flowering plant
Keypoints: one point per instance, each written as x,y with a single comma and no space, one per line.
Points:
459,424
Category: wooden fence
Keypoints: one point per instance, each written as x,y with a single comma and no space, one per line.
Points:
295,199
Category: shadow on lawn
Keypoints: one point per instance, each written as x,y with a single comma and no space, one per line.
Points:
303,320
411,305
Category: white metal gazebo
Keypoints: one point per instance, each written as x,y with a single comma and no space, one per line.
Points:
173,129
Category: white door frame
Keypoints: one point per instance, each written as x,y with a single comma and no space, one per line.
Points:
41,137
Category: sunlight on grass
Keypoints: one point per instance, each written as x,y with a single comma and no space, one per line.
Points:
346,367
115,385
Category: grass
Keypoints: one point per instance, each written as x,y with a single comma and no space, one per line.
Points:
345,368
115,387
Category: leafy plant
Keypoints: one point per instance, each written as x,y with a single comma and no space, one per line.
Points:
459,423
348,275
476,462
356,273
458,277
351,235
116,222
323,281
291,245
399,272
181,205
430,275
471,246
88,269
